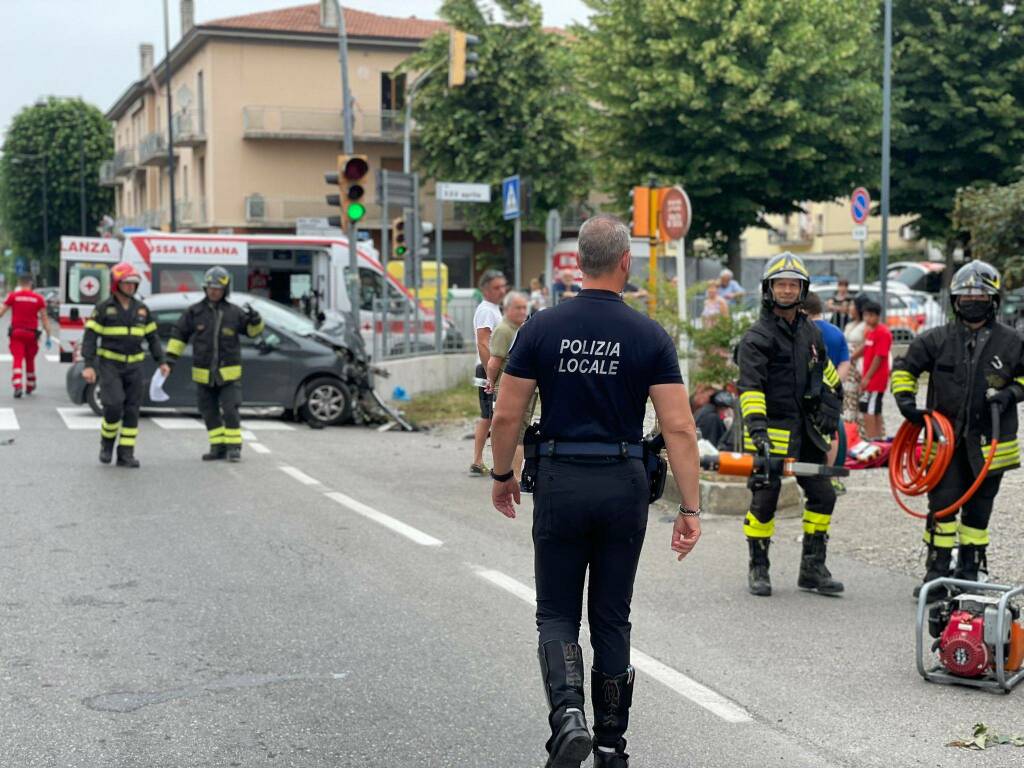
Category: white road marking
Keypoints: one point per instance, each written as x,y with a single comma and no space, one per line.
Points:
266,426
177,423
686,687
53,358
299,475
8,421
5,358
387,521
259,447
79,418
248,436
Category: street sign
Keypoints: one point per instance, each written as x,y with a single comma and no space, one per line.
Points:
860,232
400,187
675,214
553,229
34,267
510,197
461,192
860,205
20,265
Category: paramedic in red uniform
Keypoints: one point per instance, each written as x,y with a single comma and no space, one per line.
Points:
28,308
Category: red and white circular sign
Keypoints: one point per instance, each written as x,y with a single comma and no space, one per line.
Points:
675,215
89,286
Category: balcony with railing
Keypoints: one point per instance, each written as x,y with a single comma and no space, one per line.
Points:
153,150
108,177
188,129
311,124
124,161
190,213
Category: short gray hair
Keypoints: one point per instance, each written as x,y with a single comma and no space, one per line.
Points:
512,296
490,276
726,273
602,241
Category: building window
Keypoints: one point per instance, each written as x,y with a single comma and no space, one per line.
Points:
200,101
392,92
820,224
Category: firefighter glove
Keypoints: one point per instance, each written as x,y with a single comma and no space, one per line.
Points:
829,412
759,437
907,404
1004,398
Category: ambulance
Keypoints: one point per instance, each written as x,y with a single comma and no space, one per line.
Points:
306,273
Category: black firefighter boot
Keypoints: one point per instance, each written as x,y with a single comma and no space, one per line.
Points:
216,453
939,564
561,667
813,573
758,581
611,697
234,452
106,450
971,562
126,457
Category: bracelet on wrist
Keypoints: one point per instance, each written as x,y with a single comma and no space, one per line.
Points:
687,512
502,477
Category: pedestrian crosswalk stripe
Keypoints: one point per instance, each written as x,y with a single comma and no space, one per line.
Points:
6,358
173,423
259,447
79,418
8,421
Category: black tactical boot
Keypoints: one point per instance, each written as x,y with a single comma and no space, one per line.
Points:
216,453
813,573
611,697
758,581
234,452
126,457
561,667
106,450
939,565
971,562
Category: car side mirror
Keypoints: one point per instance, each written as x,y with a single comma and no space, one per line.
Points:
74,313
268,343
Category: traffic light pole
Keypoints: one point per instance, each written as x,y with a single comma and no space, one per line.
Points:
438,258
346,100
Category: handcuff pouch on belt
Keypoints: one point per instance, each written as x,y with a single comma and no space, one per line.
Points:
656,467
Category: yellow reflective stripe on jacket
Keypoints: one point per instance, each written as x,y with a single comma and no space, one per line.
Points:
121,330
119,358
231,372
831,375
944,536
903,381
752,403
1019,380
779,438
201,375
1007,454
257,329
93,326
976,536
175,347
755,529
816,522
149,328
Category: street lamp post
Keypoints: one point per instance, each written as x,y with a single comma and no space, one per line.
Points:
886,139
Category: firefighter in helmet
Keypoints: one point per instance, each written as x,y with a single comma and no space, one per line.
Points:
790,399
972,362
214,326
112,350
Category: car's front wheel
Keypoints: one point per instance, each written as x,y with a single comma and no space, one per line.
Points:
93,398
328,402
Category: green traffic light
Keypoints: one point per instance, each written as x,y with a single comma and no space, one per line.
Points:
356,211
400,250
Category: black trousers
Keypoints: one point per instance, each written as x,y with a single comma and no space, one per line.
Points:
818,491
974,515
589,515
121,388
219,408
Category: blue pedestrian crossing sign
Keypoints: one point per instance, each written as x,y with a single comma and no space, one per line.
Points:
510,197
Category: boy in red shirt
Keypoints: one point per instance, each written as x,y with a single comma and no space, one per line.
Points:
27,309
877,346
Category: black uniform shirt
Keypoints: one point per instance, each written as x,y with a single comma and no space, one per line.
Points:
594,359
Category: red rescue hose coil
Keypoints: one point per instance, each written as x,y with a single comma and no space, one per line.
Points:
912,474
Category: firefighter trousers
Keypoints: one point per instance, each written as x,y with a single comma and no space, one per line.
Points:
121,388
219,406
974,515
818,491
24,344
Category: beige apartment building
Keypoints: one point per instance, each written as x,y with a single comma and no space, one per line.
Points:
257,121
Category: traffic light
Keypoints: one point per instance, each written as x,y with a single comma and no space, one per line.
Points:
459,55
639,211
398,245
353,181
411,256
426,230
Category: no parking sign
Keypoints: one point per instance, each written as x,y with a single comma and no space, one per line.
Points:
860,205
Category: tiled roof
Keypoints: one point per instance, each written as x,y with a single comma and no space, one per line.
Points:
306,19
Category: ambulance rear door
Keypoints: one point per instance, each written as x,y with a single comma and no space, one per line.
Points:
85,264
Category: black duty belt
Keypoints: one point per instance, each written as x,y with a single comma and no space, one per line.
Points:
557,449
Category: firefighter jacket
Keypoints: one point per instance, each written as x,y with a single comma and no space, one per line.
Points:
214,330
784,374
962,365
116,334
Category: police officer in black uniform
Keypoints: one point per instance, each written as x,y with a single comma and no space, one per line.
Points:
112,346
791,399
971,362
595,361
214,326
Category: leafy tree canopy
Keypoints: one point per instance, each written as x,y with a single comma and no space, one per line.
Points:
993,216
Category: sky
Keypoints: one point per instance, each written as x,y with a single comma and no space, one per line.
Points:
90,48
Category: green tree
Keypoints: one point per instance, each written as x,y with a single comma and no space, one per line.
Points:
993,217
64,131
958,105
519,116
752,104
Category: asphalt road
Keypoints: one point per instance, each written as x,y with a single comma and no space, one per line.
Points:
349,598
